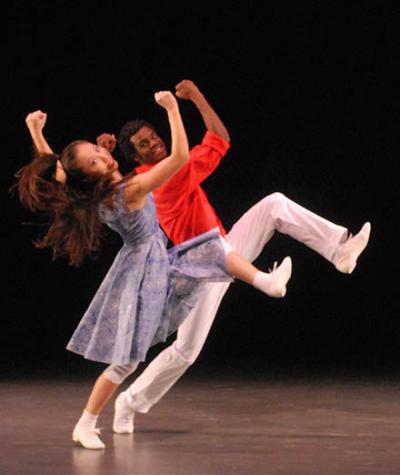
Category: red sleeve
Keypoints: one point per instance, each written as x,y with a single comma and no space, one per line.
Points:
203,160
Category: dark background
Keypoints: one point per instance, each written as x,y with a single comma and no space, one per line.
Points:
309,94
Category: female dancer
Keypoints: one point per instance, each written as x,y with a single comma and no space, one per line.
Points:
148,291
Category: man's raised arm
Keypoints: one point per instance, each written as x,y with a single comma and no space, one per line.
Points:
188,90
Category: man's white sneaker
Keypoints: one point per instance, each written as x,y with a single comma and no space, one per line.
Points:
346,255
123,416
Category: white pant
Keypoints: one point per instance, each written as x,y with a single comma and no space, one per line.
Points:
248,236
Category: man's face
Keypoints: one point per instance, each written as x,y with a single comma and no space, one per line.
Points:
148,145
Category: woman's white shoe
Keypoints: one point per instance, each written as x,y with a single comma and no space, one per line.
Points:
87,437
279,278
274,282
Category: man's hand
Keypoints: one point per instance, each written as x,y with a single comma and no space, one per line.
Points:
107,141
187,89
36,121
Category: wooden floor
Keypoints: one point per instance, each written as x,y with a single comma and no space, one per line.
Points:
207,427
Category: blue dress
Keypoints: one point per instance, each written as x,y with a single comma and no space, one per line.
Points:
149,290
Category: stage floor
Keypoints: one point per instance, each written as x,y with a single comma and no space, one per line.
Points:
208,426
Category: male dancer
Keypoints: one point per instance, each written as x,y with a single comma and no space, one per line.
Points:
184,211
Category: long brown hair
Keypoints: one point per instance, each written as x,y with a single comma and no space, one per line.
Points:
36,187
74,229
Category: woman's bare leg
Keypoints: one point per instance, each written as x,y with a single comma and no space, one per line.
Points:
273,283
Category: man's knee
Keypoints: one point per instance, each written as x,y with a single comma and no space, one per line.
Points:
276,198
185,357
269,207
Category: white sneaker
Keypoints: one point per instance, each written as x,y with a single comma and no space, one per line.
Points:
123,416
346,255
87,437
279,278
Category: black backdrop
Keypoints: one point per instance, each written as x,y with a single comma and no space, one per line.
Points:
309,95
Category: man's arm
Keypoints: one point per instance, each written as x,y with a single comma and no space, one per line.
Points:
188,90
204,159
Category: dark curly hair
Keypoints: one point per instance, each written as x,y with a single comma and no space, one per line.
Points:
130,128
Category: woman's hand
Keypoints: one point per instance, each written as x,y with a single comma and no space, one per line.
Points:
166,99
36,121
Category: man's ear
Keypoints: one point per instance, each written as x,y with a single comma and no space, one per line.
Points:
136,158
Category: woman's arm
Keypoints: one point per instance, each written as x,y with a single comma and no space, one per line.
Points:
35,122
140,185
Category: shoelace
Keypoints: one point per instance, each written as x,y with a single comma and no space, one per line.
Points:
273,267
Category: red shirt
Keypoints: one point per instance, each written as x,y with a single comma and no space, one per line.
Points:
182,206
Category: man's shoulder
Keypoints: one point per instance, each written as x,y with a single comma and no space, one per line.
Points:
212,141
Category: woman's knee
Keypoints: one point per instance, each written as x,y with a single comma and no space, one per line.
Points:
118,373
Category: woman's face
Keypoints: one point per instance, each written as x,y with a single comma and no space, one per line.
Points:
94,160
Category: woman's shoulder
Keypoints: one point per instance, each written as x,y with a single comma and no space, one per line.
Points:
111,208
116,207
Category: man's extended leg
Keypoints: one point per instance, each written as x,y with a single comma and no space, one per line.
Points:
276,212
172,362
248,236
